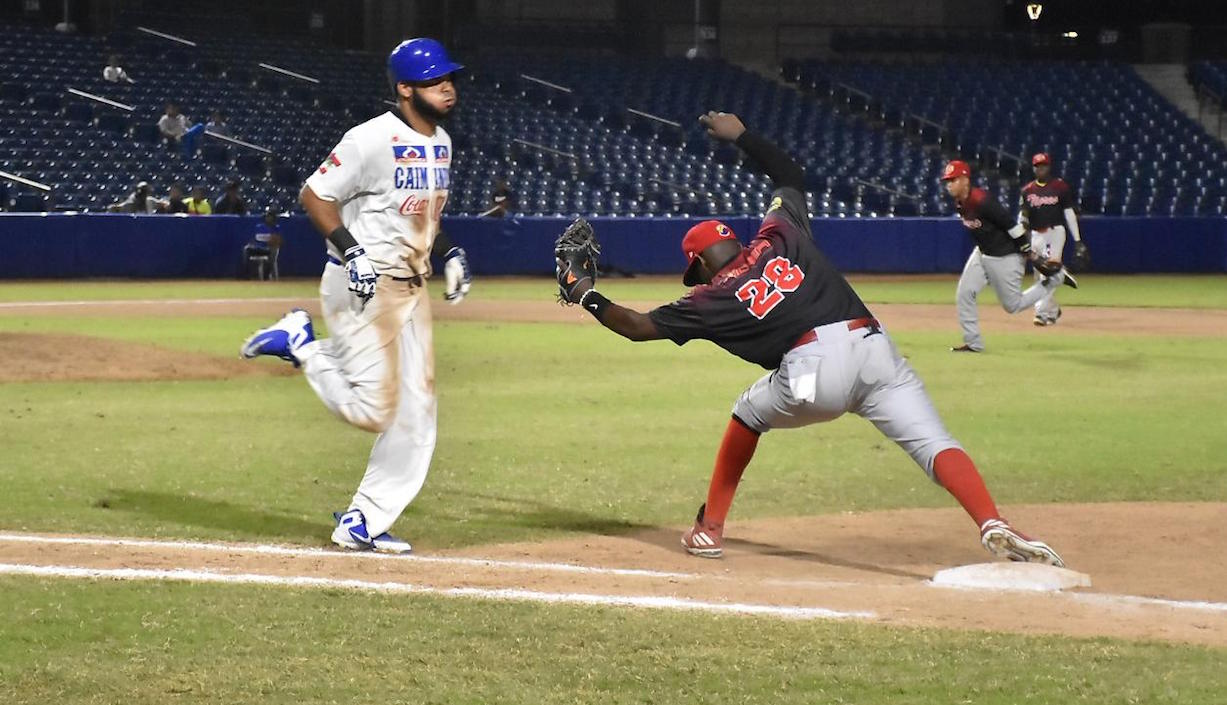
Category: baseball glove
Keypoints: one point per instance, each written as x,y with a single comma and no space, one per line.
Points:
575,253
1047,268
1082,257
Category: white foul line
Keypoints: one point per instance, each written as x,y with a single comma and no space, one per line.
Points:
147,302
574,598
307,552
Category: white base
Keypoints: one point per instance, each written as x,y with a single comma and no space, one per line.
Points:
1012,576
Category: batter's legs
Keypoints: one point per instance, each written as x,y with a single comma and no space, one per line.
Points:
971,282
354,371
401,456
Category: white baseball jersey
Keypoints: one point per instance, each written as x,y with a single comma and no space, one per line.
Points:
392,184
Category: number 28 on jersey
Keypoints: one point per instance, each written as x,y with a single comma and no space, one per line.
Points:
780,277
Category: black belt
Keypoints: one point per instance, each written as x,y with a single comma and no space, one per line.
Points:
415,280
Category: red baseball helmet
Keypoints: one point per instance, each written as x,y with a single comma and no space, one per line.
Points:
1040,158
955,169
699,238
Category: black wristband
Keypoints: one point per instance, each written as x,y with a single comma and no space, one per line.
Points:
343,241
595,303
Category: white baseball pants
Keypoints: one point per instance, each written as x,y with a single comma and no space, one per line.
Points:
376,371
859,371
1050,244
1005,274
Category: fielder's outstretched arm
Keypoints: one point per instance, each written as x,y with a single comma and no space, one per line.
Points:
628,323
783,171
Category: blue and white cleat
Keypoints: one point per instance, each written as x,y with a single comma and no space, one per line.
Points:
351,534
281,339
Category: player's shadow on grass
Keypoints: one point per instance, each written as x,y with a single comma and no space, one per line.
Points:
535,514
768,549
186,510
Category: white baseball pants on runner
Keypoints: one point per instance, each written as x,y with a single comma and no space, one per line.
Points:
1005,274
1050,244
844,370
376,371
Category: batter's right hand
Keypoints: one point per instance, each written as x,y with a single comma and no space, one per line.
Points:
361,274
723,126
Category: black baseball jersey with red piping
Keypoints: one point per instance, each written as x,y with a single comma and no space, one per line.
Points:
1044,204
779,287
988,222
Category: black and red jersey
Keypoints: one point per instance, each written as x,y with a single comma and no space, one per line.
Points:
779,287
1043,205
989,224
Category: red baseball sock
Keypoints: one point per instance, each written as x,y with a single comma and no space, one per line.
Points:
955,471
735,452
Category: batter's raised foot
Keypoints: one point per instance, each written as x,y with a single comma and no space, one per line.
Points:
1001,540
281,339
703,539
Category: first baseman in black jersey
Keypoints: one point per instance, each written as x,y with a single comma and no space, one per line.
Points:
779,303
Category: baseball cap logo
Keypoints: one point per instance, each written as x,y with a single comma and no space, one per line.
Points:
949,170
723,230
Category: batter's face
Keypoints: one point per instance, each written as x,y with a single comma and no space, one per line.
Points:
432,99
958,188
1042,172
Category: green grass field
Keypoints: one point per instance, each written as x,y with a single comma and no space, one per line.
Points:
1049,419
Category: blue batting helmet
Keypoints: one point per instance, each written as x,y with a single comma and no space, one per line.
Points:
418,60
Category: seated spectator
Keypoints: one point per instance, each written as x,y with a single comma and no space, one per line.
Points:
114,72
174,202
139,201
230,203
198,203
260,255
174,127
217,124
503,200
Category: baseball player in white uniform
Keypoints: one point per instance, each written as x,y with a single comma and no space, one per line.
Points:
377,199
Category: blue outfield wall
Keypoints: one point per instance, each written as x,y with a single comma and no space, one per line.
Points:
108,245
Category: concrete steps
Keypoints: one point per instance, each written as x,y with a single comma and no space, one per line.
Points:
1170,82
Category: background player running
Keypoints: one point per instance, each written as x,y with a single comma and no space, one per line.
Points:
999,258
377,199
779,303
1045,206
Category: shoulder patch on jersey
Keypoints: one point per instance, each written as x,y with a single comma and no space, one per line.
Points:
409,153
776,202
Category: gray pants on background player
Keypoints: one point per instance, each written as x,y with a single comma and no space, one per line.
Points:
1050,244
1005,274
849,370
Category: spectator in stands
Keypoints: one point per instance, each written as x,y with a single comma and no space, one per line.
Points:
502,201
174,202
198,203
114,72
217,124
4,195
230,202
174,127
139,201
263,248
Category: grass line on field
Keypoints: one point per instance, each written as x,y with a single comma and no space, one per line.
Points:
517,594
267,549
